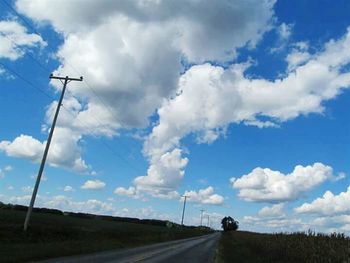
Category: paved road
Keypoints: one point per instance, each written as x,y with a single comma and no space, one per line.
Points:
197,249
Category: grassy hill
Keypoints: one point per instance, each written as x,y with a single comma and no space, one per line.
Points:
252,247
53,233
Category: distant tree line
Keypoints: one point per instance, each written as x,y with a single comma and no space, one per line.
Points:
154,222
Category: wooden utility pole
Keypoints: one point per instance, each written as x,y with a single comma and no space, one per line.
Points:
202,210
183,210
42,165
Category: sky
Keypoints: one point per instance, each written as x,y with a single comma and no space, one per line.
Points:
240,105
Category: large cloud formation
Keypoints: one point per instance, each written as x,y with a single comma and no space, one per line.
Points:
328,204
133,53
212,97
15,41
266,185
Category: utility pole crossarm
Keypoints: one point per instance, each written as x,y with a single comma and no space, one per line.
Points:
66,77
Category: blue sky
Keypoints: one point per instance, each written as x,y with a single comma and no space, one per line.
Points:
242,106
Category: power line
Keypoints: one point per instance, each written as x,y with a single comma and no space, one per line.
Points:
47,146
29,55
25,80
88,130
21,17
67,62
105,105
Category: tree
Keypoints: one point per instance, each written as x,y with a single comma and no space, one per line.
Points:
229,224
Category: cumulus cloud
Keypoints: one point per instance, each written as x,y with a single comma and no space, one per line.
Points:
15,41
132,54
64,203
328,204
272,218
284,31
298,56
93,185
3,171
134,35
266,185
27,189
272,211
68,188
130,192
92,206
23,146
64,151
164,175
162,180
205,196
146,212
43,177
212,97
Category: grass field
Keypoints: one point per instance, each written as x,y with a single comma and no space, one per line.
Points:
295,247
53,235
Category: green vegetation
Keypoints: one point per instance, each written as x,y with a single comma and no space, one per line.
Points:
229,224
239,246
52,234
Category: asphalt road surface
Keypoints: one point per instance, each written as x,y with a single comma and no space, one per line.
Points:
198,249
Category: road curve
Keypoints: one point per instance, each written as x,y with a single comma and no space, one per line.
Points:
198,249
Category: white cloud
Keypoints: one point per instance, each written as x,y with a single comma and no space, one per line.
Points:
8,168
92,206
68,188
93,184
146,212
284,32
23,146
266,185
15,41
43,177
211,97
272,219
164,175
130,192
64,203
221,26
27,189
328,204
205,196
4,171
298,56
63,152
272,211
113,44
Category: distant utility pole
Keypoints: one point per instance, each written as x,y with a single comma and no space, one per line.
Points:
42,165
202,210
208,220
183,210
